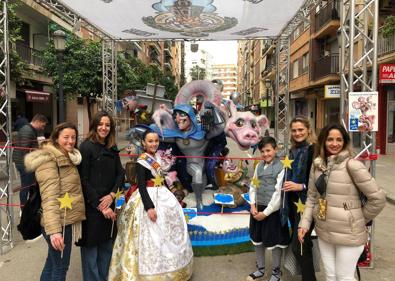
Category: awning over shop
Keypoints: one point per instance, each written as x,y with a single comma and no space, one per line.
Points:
187,19
37,96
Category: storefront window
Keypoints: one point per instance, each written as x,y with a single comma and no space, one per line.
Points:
332,111
391,117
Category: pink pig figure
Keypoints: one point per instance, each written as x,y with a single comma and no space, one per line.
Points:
245,128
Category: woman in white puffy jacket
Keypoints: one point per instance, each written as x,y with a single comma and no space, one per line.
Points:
334,202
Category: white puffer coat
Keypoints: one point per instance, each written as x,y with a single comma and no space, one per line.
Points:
345,218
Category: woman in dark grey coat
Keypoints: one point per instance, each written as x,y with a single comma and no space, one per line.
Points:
101,176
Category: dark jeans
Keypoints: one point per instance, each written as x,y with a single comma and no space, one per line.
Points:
27,179
305,261
55,268
96,261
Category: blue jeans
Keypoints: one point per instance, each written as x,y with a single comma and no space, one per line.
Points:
27,179
96,261
55,268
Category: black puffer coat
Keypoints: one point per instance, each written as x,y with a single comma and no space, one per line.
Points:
101,173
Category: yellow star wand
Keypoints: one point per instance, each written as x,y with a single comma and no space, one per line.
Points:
116,197
255,182
286,164
65,203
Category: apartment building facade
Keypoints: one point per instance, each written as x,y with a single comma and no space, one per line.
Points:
38,94
314,85
227,73
256,72
195,56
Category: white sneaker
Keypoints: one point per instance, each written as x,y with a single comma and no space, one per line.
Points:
34,240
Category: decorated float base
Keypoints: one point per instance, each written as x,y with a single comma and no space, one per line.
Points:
214,231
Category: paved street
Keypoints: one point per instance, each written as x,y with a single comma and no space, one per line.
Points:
24,262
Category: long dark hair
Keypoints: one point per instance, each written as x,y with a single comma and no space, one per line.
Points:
109,141
320,147
58,129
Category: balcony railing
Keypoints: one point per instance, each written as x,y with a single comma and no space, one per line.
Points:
30,55
385,45
325,66
330,12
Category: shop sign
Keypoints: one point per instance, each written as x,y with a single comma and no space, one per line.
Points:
332,91
37,96
387,73
363,111
266,103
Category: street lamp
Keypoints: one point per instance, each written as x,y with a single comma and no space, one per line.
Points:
248,94
59,39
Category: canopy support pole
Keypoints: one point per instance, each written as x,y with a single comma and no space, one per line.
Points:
358,72
6,212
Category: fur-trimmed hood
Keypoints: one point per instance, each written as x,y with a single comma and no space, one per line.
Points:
48,152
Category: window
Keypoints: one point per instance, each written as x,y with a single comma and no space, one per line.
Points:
295,69
305,62
296,33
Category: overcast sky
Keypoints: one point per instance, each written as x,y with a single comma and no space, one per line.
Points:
224,52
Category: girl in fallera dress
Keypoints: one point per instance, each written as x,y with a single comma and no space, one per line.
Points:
152,241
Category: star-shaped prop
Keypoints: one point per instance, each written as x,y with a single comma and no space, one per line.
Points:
255,182
300,206
66,201
158,180
287,162
118,194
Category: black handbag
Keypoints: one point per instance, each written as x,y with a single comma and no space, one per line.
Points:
29,225
320,184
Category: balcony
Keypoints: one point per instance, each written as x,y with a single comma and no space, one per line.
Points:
30,55
325,66
331,11
385,46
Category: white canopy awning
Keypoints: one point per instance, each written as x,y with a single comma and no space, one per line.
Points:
187,19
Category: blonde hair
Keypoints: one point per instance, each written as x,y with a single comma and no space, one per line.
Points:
311,138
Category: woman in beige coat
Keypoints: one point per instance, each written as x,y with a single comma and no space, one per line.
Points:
334,203
55,166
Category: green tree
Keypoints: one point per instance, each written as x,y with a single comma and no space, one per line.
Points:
197,73
18,67
134,74
82,68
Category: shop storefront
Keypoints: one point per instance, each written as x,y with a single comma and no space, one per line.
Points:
29,102
386,89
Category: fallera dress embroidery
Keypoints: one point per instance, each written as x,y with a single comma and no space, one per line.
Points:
146,250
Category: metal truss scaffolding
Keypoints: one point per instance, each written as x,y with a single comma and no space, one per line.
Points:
358,72
282,113
109,56
282,96
5,132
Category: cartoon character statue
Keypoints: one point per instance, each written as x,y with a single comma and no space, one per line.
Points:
192,137
198,134
245,128
192,141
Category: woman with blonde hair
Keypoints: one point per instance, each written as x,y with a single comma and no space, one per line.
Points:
55,166
336,181
296,187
